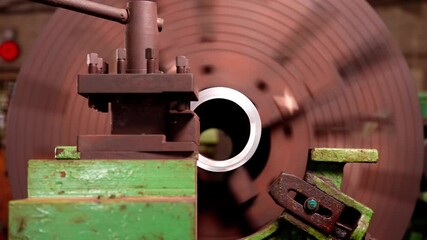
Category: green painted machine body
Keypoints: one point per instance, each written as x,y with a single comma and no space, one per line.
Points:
111,178
84,218
106,199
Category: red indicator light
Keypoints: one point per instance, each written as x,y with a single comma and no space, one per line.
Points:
9,51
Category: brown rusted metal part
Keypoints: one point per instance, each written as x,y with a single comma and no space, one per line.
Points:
132,155
121,60
141,104
92,59
181,64
329,211
139,143
90,8
184,126
341,217
182,84
141,100
258,48
142,33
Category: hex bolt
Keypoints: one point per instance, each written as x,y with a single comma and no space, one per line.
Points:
92,61
100,65
121,53
340,233
149,55
182,67
311,205
121,60
105,68
181,64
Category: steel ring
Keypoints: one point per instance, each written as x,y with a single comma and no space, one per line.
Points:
254,130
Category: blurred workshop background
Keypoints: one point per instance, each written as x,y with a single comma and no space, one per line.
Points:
21,21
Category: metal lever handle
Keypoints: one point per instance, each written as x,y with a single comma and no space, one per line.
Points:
119,15
142,27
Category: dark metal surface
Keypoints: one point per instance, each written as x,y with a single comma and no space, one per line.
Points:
259,48
139,143
182,84
145,119
142,33
150,115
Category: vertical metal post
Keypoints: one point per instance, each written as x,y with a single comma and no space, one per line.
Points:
142,33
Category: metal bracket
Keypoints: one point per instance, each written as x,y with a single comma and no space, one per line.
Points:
315,204
305,201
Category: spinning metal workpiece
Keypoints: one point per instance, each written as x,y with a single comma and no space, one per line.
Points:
320,74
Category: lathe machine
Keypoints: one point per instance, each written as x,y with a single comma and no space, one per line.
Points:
225,119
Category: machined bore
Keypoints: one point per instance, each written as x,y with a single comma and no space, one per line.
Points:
232,112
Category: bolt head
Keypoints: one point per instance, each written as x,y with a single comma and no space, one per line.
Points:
100,63
311,205
340,233
181,61
92,58
121,53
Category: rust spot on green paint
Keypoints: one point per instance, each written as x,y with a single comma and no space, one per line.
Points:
63,174
66,153
79,219
22,224
141,193
189,164
160,237
140,186
112,196
61,192
122,207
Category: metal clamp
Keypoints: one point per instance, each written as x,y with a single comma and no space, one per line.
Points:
306,202
315,204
